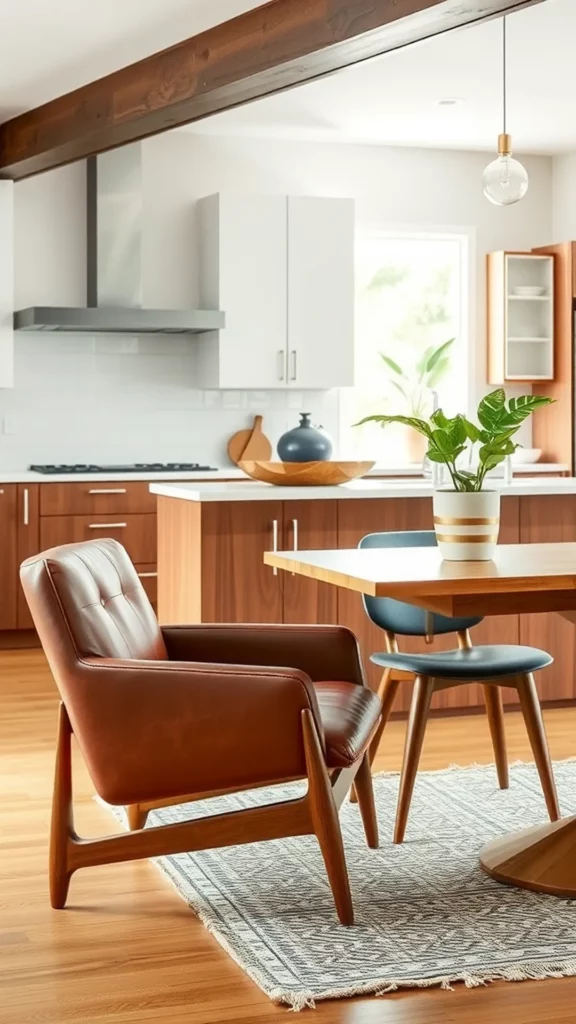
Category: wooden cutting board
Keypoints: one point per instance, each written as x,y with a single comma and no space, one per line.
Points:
250,444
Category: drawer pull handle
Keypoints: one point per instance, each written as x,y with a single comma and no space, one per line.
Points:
147,575
1,490
107,526
26,508
107,490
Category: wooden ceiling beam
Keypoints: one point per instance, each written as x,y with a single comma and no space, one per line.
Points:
266,50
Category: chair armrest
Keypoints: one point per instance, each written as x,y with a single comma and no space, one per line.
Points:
322,652
150,730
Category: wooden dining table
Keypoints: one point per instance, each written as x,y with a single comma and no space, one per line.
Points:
521,578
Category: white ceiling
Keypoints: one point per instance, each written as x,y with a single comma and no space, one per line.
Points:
49,47
393,100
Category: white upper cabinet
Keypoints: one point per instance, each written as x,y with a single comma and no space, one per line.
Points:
6,284
320,292
282,271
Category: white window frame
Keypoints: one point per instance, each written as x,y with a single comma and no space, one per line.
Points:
466,236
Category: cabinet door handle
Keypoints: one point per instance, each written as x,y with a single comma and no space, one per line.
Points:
294,358
147,575
107,526
1,490
107,490
275,542
26,507
281,359
295,536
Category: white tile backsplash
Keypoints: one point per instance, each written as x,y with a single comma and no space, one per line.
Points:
122,399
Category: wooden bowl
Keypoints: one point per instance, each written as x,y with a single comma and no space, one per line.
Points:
305,474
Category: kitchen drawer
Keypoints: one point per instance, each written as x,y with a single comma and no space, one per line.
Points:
149,580
136,533
93,497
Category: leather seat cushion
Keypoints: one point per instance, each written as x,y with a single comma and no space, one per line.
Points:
349,715
488,662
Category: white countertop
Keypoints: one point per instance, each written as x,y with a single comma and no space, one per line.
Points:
253,491
26,476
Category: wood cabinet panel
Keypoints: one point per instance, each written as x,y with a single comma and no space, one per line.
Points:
149,579
137,533
545,518
357,518
96,498
28,542
8,556
236,585
308,526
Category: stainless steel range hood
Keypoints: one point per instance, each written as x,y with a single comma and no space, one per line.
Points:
115,290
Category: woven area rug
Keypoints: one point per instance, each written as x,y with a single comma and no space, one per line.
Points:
425,912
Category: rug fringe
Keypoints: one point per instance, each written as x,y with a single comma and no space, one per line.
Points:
297,1001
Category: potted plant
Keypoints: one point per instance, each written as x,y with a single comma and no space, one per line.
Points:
467,517
417,387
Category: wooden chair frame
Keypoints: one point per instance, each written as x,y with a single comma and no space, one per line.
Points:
314,813
424,688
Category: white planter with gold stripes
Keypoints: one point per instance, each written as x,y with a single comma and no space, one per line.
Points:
467,524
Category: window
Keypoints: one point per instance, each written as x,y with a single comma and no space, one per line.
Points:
411,300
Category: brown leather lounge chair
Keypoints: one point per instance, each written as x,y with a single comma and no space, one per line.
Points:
166,714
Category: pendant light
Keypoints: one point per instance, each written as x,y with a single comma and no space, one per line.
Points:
505,179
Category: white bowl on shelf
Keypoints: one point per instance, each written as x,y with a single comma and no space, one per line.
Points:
529,291
526,456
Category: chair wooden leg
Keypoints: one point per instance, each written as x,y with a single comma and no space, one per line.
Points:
61,825
423,690
365,793
325,821
136,817
495,714
532,712
387,692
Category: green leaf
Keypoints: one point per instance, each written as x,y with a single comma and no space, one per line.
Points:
472,432
438,354
409,421
439,419
437,373
392,365
492,408
420,366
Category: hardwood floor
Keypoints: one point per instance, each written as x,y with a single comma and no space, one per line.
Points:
128,950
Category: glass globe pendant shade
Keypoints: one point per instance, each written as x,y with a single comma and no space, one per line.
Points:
505,179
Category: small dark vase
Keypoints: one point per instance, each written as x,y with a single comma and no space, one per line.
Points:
305,443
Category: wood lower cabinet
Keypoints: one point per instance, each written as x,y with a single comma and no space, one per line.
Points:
309,526
546,519
136,532
355,520
8,556
97,498
28,542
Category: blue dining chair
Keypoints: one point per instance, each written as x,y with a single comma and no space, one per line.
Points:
493,665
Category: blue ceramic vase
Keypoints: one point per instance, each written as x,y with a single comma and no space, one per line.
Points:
305,443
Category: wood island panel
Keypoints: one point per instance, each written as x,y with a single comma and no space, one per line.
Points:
305,600
546,519
357,518
236,584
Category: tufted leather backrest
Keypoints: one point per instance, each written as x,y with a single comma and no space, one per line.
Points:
86,600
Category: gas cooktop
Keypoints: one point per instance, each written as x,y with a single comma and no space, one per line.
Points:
136,467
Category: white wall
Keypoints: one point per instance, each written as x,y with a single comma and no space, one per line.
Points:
564,197
83,398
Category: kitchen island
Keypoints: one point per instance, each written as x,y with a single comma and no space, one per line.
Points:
212,538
